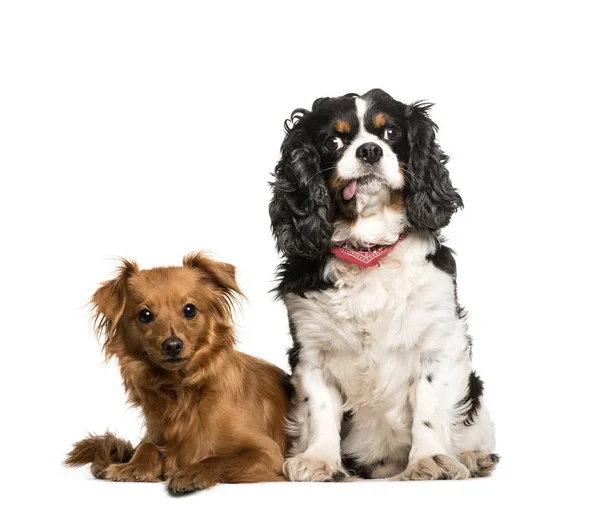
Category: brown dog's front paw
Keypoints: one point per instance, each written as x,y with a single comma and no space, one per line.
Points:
438,467
98,469
128,473
188,481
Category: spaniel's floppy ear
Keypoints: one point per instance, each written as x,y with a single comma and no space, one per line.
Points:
301,209
431,200
219,275
109,301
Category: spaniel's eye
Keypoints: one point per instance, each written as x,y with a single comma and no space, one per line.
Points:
145,316
334,143
391,133
189,311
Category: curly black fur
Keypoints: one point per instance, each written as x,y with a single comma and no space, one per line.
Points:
301,209
431,200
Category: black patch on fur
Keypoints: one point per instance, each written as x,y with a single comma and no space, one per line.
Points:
338,476
353,467
306,399
350,464
428,424
443,259
286,383
294,352
366,471
430,378
472,399
299,275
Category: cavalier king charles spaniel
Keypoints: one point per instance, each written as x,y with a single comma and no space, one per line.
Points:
381,356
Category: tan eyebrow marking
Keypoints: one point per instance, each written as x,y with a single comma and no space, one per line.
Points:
343,127
379,120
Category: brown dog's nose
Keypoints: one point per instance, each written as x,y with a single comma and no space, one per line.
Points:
172,346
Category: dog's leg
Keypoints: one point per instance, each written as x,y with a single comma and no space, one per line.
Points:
146,465
475,443
260,463
318,458
440,389
100,451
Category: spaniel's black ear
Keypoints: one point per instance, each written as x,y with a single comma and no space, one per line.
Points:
301,208
431,200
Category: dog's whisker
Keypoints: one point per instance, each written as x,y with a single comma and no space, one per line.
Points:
321,171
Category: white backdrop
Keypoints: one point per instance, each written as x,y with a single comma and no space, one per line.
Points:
148,130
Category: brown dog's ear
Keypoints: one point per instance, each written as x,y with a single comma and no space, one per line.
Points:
219,275
109,301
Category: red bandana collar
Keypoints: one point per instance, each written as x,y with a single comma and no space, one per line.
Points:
366,258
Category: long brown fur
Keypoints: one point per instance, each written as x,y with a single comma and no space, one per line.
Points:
219,415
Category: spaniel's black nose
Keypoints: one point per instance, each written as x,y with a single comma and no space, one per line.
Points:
172,347
370,152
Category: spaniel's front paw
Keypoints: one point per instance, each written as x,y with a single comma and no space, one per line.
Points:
438,467
479,463
304,468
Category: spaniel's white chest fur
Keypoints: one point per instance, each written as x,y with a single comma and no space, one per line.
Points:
368,337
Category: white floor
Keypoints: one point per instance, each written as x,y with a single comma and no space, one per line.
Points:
509,493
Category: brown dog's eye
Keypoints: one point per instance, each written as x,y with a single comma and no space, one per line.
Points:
189,311
391,133
334,143
145,316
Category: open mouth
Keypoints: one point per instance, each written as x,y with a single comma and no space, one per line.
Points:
350,190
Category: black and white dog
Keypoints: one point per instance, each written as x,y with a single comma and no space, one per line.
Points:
381,356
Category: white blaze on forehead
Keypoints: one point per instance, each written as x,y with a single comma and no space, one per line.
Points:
351,167
361,110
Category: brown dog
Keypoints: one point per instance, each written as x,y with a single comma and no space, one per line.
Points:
212,414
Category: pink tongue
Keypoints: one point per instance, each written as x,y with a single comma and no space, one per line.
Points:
349,191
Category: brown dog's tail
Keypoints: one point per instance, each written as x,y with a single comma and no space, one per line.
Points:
100,451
